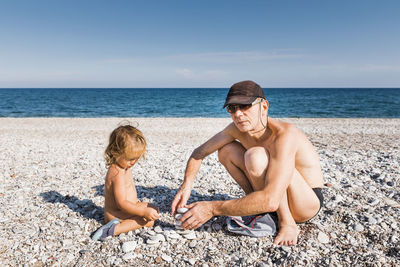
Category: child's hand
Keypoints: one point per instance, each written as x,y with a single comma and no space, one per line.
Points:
152,212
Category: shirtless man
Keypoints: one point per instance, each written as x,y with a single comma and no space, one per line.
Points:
272,161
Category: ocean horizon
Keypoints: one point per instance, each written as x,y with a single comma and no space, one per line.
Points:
195,102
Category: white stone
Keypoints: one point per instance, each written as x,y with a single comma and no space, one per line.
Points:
182,210
129,246
323,238
152,242
67,242
358,227
374,202
190,236
129,256
184,232
173,235
151,232
338,198
371,219
166,258
193,244
178,216
158,229
157,237
192,261
393,239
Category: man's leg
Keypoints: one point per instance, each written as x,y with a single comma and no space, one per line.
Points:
232,157
299,202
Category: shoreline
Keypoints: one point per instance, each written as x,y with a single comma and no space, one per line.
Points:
51,191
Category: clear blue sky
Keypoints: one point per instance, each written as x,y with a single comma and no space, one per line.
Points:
66,43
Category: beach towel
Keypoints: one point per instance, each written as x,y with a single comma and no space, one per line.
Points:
255,225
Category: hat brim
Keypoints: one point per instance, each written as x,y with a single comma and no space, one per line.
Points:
243,100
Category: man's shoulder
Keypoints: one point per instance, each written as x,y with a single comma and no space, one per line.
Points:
287,136
286,129
231,129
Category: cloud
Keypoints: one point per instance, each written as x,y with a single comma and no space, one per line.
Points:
186,73
214,57
202,75
374,67
352,68
232,57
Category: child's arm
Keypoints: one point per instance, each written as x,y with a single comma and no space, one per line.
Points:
143,209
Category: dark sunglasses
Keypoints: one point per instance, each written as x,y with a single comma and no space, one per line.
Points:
234,107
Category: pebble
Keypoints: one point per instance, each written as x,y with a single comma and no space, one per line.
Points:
358,227
67,242
167,258
158,229
184,231
371,220
374,202
129,246
182,210
178,216
192,243
57,179
172,235
129,256
323,238
190,236
157,238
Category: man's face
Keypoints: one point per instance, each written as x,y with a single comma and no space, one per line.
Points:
247,117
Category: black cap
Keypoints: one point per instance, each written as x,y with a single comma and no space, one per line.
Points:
245,92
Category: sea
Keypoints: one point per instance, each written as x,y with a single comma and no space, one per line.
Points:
196,102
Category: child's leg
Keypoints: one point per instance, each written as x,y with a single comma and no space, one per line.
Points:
131,224
106,230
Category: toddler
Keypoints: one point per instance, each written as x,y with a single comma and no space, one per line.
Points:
123,212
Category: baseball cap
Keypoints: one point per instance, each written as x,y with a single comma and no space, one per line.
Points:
245,92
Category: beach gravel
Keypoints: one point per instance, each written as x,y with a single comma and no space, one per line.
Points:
52,195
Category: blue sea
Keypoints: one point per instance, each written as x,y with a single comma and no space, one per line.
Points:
196,102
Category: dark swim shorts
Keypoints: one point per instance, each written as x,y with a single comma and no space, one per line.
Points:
318,193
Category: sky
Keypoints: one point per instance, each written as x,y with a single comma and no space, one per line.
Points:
171,43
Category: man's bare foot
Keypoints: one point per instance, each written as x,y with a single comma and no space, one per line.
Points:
287,235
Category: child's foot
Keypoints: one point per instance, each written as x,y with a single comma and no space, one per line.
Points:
105,230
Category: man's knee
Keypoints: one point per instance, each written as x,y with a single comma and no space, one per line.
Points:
256,161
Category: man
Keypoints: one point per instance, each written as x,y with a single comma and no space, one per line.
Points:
272,161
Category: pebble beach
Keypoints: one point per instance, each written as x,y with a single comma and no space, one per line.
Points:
52,184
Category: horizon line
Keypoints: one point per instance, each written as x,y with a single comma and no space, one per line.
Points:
196,87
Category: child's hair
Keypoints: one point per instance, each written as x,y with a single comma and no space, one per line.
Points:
125,141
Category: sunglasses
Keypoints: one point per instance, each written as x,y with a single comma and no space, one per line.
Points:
234,107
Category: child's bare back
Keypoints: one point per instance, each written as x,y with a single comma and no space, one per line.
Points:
123,212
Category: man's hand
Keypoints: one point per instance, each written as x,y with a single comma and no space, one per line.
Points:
151,213
198,214
180,199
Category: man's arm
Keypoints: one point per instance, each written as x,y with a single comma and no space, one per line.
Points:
193,165
279,174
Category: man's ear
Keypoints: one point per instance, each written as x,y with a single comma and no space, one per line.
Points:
265,104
